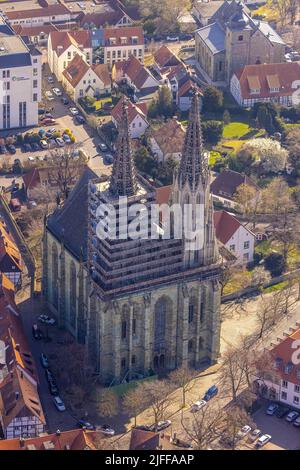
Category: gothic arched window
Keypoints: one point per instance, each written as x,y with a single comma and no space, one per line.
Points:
190,345
54,275
160,323
73,294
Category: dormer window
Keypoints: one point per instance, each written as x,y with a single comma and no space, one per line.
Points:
134,39
112,41
288,368
274,90
254,91
278,362
241,37
254,84
123,40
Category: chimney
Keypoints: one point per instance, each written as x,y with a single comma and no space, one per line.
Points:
22,442
58,433
17,395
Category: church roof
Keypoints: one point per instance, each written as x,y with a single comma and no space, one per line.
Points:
70,223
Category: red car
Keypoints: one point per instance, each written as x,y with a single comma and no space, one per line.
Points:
48,121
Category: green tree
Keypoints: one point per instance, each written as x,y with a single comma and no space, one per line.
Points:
212,99
275,263
145,161
212,131
163,105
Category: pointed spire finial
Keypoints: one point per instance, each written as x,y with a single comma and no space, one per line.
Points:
193,165
123,177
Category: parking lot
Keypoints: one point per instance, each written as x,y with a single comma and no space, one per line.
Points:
284,434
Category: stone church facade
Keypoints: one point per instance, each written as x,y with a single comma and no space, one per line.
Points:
137,305
233,39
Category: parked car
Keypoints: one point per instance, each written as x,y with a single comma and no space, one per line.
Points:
48,122
282,411
161,425
11,148
272,409
27,148
243,432
74,111
41,111
31,159
49,96
144,427
102,147
51,143
57,91
256,433
49,375
53,388
198,405
80,119
172,38
85,425
105,429
292,416
44,360
50,79
64,101
42,133
36,332
211,392
60,142
35,146
67,139
59,404
263,440
297,422
108,159
44,144
3,149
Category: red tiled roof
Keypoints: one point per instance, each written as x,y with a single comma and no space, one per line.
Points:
102,71
164,56
143,440
77,439
80,38
169,136
225,226
51,10
187,88
9,248
133,110
163,194
265,76
34,30
283,352
227,183
76,70
133,68
124,32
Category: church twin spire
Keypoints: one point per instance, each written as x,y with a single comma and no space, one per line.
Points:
193,166
123,178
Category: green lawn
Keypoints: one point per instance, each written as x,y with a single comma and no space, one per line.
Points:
235,130
213,155
275,287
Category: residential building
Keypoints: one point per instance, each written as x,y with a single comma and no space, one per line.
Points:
134,74
80,79
164,57
121,43
167,140
185,94
37,35
137,117
204,11
226,184
51,14
233,39
136,303
20,72
11,264
282,381
234,236
64,45
77,439
111,13
21,413
276,83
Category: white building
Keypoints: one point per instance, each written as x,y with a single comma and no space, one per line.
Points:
64,45
137,118
40,16
121,43
80,79
282,383
134,74
234,236
20,72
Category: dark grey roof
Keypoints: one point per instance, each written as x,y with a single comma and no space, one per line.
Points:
15,60
70,223
213,36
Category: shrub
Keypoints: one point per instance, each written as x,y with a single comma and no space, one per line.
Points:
212,131
275,263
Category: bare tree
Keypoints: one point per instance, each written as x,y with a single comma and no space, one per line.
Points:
65,170
204,426
107,403
231,375
266,316
183,377
234,419
133,402
157,397
248,200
